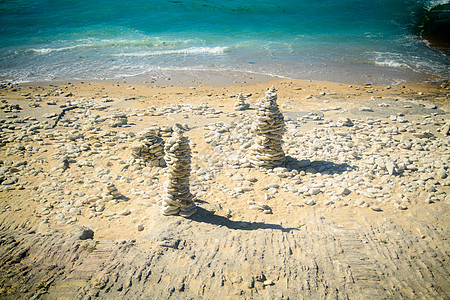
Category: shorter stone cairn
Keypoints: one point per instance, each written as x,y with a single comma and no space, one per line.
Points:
240,103
149,147
178,198
118,120
267,152
111,192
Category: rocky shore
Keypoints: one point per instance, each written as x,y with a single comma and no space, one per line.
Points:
356,206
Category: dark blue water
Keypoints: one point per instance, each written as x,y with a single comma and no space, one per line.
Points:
345,40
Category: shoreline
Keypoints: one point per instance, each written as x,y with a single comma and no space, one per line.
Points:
385,75
143,86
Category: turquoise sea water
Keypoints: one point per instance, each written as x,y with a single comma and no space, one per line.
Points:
336,40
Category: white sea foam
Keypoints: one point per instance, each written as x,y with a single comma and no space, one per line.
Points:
113,43
390,63
185,51
49,50
434,3
388,59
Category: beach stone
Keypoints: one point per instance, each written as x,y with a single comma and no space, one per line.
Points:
445,130
314,191
391,167
268,283
442,173
402,207
178,199
269,127
359,202
343,191
61,164
118,120
376,208
261,207
125,212
344,122
82,233
309,202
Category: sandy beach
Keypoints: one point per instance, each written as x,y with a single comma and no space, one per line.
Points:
359,209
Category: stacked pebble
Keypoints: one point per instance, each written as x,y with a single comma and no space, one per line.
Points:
178,198
267,152
118,120
240,103
149,147
111,192
166,131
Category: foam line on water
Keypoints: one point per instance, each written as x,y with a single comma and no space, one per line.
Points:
191,50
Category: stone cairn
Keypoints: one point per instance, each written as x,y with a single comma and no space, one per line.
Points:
111,192
178,198
240,103
118,120
149,147
267,152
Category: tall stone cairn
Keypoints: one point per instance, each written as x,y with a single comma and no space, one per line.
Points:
149,147
267,152
178,198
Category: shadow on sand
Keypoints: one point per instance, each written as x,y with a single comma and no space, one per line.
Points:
318,166
206,216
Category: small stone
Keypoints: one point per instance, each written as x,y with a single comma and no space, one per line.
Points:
344,122
442,173
445,130
376,208
391,167
309,202
140,227
125,212
402,207
343,191
61,164
169,243
118,120
314,191
428,200
268,282
359,202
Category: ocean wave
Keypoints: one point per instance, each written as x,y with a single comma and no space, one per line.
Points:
191,50
425,64
391,63
434,3
50,50
125,44
388,59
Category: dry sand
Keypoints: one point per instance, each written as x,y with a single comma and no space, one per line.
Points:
361,212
